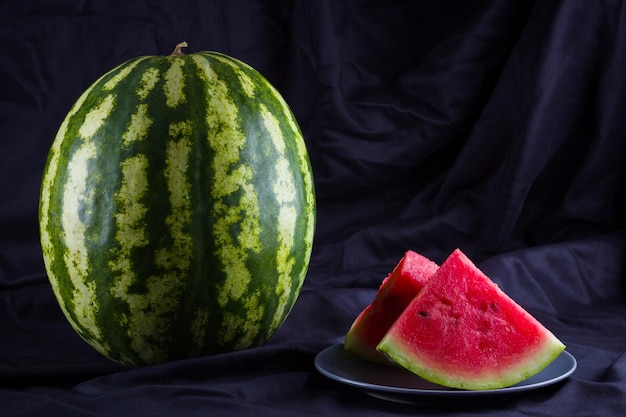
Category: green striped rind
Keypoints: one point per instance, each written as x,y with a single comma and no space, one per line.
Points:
177,209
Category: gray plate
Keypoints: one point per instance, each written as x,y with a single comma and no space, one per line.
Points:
396,384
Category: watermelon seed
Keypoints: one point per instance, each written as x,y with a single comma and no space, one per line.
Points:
423,314
484,306
484,346
446,301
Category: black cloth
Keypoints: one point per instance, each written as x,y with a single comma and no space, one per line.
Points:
498,127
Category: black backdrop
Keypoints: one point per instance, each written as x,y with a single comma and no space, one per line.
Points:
495,126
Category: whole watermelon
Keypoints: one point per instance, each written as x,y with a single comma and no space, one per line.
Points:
177,209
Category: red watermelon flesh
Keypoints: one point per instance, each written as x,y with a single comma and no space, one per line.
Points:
463,331
395,293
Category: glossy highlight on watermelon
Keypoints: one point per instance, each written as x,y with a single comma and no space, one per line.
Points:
394,295
177,209
463,331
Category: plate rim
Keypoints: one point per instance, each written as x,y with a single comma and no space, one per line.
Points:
337,349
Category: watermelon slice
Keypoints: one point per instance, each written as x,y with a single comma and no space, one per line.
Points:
395,293
462,331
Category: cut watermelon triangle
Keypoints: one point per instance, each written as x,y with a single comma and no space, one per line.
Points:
463,331
395,293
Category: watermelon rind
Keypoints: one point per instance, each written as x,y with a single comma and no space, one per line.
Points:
535,362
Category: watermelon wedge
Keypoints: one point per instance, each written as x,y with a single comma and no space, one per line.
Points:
395,293
463,331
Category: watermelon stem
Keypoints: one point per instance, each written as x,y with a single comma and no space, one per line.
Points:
177,51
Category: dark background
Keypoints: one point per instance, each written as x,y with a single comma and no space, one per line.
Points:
498,127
